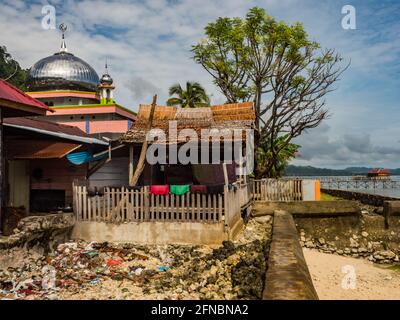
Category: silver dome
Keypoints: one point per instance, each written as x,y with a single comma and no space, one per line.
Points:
106,79
60,71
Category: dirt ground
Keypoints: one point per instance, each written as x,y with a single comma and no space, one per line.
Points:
344,278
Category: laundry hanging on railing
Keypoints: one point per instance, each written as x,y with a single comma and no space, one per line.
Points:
179,189
199,188
159,189
215,188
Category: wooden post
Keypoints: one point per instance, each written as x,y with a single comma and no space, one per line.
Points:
130,162
140,166
225,173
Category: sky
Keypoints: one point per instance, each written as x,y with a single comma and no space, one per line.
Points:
147,45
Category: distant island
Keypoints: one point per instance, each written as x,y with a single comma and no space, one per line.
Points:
292,170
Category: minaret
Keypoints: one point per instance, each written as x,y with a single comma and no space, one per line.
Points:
106,88
63,28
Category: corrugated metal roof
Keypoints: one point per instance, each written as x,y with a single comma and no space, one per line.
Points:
39,149
10,93
52,129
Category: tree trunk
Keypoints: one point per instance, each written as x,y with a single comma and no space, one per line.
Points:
142,159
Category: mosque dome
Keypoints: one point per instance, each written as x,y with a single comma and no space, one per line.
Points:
62,71
106,79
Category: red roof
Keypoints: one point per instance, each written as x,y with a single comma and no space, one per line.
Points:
379,171
10,93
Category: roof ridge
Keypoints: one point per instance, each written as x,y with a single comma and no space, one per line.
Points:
37,102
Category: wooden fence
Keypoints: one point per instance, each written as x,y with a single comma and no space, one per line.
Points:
128,205
277,190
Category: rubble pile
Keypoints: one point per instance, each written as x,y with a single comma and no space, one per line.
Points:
45,230
80,270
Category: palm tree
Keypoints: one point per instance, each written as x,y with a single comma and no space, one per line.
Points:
194,96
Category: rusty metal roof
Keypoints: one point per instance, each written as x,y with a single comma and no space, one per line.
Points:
39,149
52,129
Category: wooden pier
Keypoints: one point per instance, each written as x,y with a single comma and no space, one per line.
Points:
343,183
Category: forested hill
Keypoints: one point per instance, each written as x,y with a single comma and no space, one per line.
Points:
292,170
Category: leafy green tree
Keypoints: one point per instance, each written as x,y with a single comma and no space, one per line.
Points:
276,66
267,164
11,71
194,96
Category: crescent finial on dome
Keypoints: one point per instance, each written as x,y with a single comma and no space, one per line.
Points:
63,28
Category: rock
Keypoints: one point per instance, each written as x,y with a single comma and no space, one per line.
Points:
336,238
364,234
354,250
378,257
263,219
302,238
355,237
321,241
385,254
309,244
371,258
353,243
362,250
364,212
232,260
339,252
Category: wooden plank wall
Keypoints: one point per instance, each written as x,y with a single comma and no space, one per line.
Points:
277,190
113,173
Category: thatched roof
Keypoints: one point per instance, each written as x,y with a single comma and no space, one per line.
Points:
227,116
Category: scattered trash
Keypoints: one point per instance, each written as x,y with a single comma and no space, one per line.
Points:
95,282
162,268
105,270
114,262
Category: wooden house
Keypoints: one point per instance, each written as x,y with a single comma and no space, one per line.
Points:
119,212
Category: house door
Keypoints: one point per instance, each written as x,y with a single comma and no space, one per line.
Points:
18,179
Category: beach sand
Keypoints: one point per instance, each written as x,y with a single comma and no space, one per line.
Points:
372,282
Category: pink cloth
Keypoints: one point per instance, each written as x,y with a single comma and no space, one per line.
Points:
159,189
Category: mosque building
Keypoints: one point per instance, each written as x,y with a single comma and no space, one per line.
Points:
76,95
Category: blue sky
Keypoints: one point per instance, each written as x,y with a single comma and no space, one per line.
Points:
148,43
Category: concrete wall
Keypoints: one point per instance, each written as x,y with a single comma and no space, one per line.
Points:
154,232
370,199
287,277
309,208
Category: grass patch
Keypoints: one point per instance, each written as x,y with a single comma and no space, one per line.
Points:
395,268
328,197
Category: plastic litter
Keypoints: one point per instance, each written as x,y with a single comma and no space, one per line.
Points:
162,268
114,262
